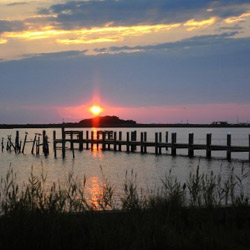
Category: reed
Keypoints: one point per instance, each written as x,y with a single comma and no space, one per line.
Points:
205,212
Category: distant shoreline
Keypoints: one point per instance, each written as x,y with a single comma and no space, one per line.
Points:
139,125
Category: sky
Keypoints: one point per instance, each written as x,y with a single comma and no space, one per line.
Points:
161,61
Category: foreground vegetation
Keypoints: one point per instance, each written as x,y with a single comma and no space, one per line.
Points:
206,212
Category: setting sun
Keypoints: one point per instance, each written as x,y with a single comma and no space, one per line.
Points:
95,110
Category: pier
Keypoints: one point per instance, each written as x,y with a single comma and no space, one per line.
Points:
134,142
131,142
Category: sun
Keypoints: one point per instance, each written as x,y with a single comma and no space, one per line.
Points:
95,109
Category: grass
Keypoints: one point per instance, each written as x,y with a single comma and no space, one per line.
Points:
205,212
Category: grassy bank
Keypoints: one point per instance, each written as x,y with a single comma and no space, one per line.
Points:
203,213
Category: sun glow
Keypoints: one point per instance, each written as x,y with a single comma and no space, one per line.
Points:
95,110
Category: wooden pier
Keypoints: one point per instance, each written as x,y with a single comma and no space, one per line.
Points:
113,140
108,140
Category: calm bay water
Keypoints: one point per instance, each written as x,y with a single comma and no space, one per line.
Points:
148,168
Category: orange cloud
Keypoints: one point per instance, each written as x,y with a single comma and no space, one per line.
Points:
192,24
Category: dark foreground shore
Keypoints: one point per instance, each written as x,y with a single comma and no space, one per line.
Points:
161,227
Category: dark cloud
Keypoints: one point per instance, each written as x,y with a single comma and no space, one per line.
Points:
11,26
194,42
129,12
56,55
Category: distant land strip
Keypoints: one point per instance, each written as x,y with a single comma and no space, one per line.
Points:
116,122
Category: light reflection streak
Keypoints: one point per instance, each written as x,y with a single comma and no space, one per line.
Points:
95,191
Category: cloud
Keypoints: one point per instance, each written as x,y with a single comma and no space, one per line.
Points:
9,26
209,69
194,42
16,4
128,12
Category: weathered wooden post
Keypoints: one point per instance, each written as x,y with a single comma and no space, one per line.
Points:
43,135
103,141
33,144
24,142
133,139
45,144
71,140
97,137
81,141
17,147
92,140
63,141
166,139
141,142
54,143
109,138
190,144
160,141
145,141
229,140
127,144
38,145
249,147
73,150
156,143
115,139
120,139
2,144
209,142
173,141
87,138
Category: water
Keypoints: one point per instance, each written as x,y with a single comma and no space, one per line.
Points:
149,169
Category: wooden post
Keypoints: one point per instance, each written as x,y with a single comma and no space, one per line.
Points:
73,150
109,138
71,141
81,141
249,146
120,139
115,139
209,141
173,149
63,141
38,145
17,149
92,140
127,145
160,140
156,143
87,137
141,142
145,141
229,140
97,138
24,142
103,141
45,144
133,139
54,143
166,139
2,144
190,144
33,144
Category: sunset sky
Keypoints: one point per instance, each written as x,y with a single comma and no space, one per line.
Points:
161,61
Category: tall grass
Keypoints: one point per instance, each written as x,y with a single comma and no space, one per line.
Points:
200,190
205,212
